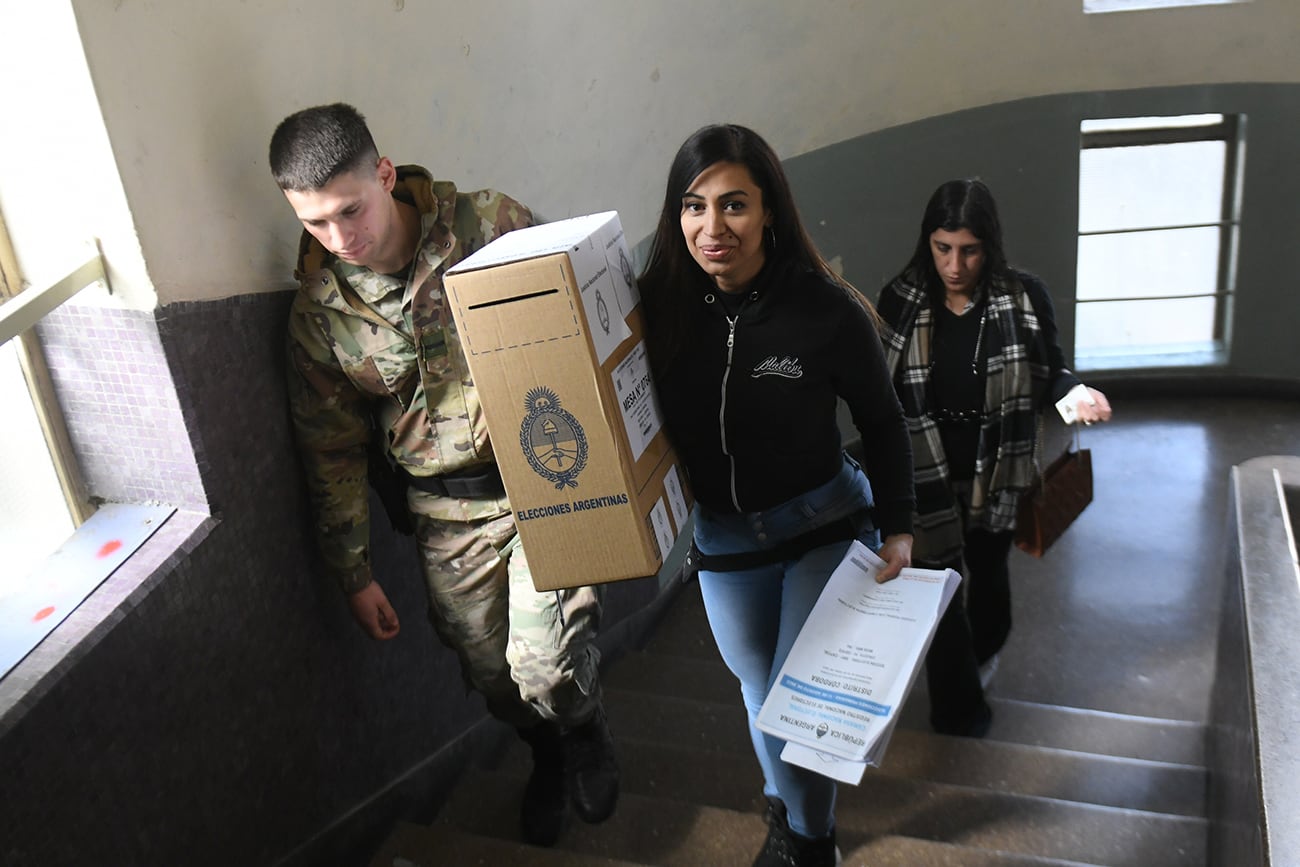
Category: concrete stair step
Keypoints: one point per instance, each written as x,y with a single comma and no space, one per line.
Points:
1022,824
442,845
1159,787
684,630
729,779
1048,786
1022,722
643,830
886,804
992,827
708,728
1095,731
682,676
888,850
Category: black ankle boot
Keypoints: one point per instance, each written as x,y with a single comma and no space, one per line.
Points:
784,848
592,769
541,815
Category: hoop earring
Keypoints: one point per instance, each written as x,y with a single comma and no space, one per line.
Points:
771,234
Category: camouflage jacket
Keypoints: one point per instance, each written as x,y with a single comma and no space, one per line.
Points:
371,354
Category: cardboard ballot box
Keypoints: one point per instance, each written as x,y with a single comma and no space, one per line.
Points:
549,321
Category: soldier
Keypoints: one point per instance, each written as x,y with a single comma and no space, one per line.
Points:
374,357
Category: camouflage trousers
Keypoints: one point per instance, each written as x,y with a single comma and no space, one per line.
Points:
532,654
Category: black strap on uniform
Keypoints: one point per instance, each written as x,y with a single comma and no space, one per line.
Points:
474,483
840,530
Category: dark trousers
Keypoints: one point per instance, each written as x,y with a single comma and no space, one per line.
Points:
988,590
971,631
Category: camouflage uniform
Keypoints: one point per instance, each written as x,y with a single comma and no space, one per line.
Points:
371,349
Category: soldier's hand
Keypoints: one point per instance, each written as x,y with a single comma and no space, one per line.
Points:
372,611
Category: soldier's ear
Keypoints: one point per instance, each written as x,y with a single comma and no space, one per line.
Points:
387,174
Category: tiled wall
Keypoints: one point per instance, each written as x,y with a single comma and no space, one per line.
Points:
120,405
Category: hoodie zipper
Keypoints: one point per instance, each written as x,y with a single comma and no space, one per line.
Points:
722,408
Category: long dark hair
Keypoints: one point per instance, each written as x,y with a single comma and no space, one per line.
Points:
957,205
671,282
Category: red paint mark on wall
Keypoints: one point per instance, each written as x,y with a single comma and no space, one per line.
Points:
109,548
43,613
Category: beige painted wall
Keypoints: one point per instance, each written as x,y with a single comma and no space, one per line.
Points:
578,106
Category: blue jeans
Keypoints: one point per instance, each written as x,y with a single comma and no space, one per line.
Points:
756,614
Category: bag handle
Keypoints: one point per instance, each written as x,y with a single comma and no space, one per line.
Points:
1038,448
1038,453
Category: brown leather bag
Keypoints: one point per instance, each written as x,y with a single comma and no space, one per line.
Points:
1048,508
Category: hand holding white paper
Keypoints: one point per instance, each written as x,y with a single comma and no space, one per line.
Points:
853,664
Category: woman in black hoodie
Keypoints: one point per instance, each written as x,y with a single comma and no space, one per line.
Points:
753,342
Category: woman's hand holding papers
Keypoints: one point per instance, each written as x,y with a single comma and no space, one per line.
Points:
897,554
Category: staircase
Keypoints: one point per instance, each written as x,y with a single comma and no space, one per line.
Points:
1049,785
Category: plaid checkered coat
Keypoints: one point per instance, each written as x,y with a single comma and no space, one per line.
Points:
1021,360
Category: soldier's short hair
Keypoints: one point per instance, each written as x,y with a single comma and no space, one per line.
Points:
313,146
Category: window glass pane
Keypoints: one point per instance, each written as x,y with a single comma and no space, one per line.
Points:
1176,324
1181,121
1094,6
1151,185
1168,262
34,518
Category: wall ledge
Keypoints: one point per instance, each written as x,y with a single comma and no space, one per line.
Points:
103,609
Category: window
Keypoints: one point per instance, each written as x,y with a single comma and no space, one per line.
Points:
1158,218
41,493
1091,6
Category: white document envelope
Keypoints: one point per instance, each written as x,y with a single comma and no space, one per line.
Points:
855,660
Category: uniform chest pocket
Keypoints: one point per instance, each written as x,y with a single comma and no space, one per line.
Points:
379,376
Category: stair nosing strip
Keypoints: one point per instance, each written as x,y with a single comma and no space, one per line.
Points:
1086,805
1063,751
1109,714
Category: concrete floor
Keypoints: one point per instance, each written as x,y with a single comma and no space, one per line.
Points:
1121,615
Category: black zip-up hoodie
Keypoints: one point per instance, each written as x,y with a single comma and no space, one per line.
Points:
750,399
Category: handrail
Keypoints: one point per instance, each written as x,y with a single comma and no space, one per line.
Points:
25,309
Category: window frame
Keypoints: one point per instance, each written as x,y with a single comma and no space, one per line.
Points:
21,308
1229,129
